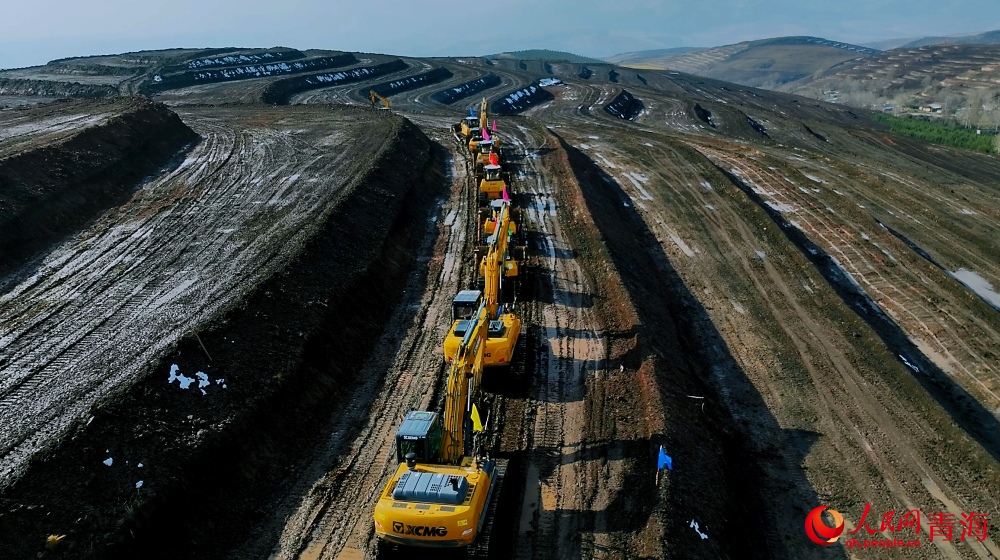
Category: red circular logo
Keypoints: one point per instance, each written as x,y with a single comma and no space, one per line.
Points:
818,531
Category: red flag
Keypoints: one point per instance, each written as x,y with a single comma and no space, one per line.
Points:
493,158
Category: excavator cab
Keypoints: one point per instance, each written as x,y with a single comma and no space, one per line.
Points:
475,137
493,213
468,124
492,185
465,305
483,151
420,434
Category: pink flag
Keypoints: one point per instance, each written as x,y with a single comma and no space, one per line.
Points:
505,197
494,125
486,136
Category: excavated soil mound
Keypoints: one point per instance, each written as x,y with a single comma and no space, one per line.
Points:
211,75
468,89
50,190
521,100
281,91
188,468
408,83
624,106
21,86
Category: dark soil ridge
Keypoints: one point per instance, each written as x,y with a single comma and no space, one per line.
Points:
408,83
280,92
288,353
468,89
245,72
52,88
51,191
522,99
624,106
240,58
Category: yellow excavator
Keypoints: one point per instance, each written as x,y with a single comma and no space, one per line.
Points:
443,493
476,134
491,185
375,98
499,272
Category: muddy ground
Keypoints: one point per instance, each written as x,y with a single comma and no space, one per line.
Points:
766,286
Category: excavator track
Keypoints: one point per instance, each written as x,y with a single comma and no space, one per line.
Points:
480,550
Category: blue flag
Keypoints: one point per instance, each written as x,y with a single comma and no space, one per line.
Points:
664,461
471,112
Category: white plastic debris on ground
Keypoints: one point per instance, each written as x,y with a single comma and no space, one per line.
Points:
694,525
183,380
138,485
109,461
908,364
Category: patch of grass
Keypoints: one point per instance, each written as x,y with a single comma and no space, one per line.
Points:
939,132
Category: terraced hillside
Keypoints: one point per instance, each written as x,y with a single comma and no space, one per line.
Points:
765,63
955,77
797,305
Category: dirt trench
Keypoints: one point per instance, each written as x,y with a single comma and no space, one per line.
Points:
51,190
666,346
210,466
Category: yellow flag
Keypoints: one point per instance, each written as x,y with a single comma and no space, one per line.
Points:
477,424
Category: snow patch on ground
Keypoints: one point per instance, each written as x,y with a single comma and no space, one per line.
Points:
637,180
978,284
779,207
813,178
680,243
606,162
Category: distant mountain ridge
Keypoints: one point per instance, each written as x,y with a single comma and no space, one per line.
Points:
624,58
545,54
988,38
763,63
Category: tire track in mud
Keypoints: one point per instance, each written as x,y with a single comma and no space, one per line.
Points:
105,303
573,463
333,518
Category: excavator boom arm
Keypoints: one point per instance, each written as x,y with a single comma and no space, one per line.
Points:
463,380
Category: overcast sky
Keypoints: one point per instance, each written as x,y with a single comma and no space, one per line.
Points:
36,31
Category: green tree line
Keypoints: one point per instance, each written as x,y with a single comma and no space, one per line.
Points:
941,133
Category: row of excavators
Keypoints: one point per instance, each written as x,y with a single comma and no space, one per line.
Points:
445,488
